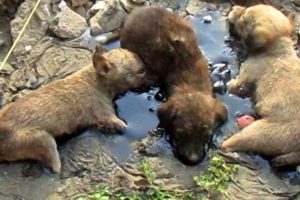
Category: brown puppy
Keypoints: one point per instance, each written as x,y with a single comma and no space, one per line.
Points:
259,25
275,75
168,46
84,99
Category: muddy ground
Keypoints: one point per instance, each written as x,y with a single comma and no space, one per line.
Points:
60,40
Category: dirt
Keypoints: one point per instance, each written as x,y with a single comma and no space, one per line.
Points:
92,158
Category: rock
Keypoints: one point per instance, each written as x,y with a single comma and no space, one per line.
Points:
244,121
194,6
219,87
110,18
7,69
173,4
138,1
81,11
78,3
99,5
129,5
207,19
36,29
68,24
60,61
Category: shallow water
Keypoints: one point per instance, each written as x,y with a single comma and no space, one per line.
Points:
138,110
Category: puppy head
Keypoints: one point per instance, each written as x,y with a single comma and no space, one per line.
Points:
121,68
189,119
235,13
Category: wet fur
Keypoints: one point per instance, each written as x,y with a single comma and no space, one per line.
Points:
168,46
275,75
84,99
260,25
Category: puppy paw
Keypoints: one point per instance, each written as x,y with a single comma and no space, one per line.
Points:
233,85
279,161
114,124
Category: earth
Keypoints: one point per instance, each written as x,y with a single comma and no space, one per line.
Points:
53,47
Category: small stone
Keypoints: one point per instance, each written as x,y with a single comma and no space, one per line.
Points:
81,11
226,75
219,87
159,96
220,66
28,47
238,114
151,109
78,3
149,98
244,121
108,19
138,1
7,69
68,24
207,19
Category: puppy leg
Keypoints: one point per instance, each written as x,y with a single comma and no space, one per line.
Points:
115,122
292,158
32,144
261,137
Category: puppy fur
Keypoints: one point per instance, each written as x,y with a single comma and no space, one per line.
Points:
29,125
275,75
168,46
259,25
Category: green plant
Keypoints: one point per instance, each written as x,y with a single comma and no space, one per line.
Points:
219,174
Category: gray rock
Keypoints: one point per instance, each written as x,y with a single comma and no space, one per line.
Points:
194,6
77,3
173,4
107,19
129,5
35,30
7,69
81,11
68,24
60,61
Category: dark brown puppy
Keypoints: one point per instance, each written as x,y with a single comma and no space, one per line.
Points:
168,46
29,125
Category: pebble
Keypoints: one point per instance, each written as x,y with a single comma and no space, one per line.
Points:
219,87
226,75
151,109
207,19
149,98
28,47
244,121
159,96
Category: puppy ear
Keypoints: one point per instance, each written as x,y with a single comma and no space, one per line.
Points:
166,112
221,112
101,65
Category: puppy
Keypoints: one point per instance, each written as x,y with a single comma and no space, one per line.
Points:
168,46
29,125
259,25
275,75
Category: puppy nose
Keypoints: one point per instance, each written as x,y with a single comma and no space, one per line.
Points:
194,157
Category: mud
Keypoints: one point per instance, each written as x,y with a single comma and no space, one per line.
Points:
94,157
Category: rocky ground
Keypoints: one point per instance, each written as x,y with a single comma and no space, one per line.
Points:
58,41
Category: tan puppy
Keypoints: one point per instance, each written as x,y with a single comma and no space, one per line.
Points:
259,25
84,99
168,46
275,75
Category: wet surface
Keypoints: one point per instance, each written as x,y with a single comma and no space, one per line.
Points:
86,161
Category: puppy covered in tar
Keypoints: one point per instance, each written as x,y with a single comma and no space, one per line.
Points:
29,125
274,72
168,46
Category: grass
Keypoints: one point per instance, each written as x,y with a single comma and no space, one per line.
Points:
214,181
